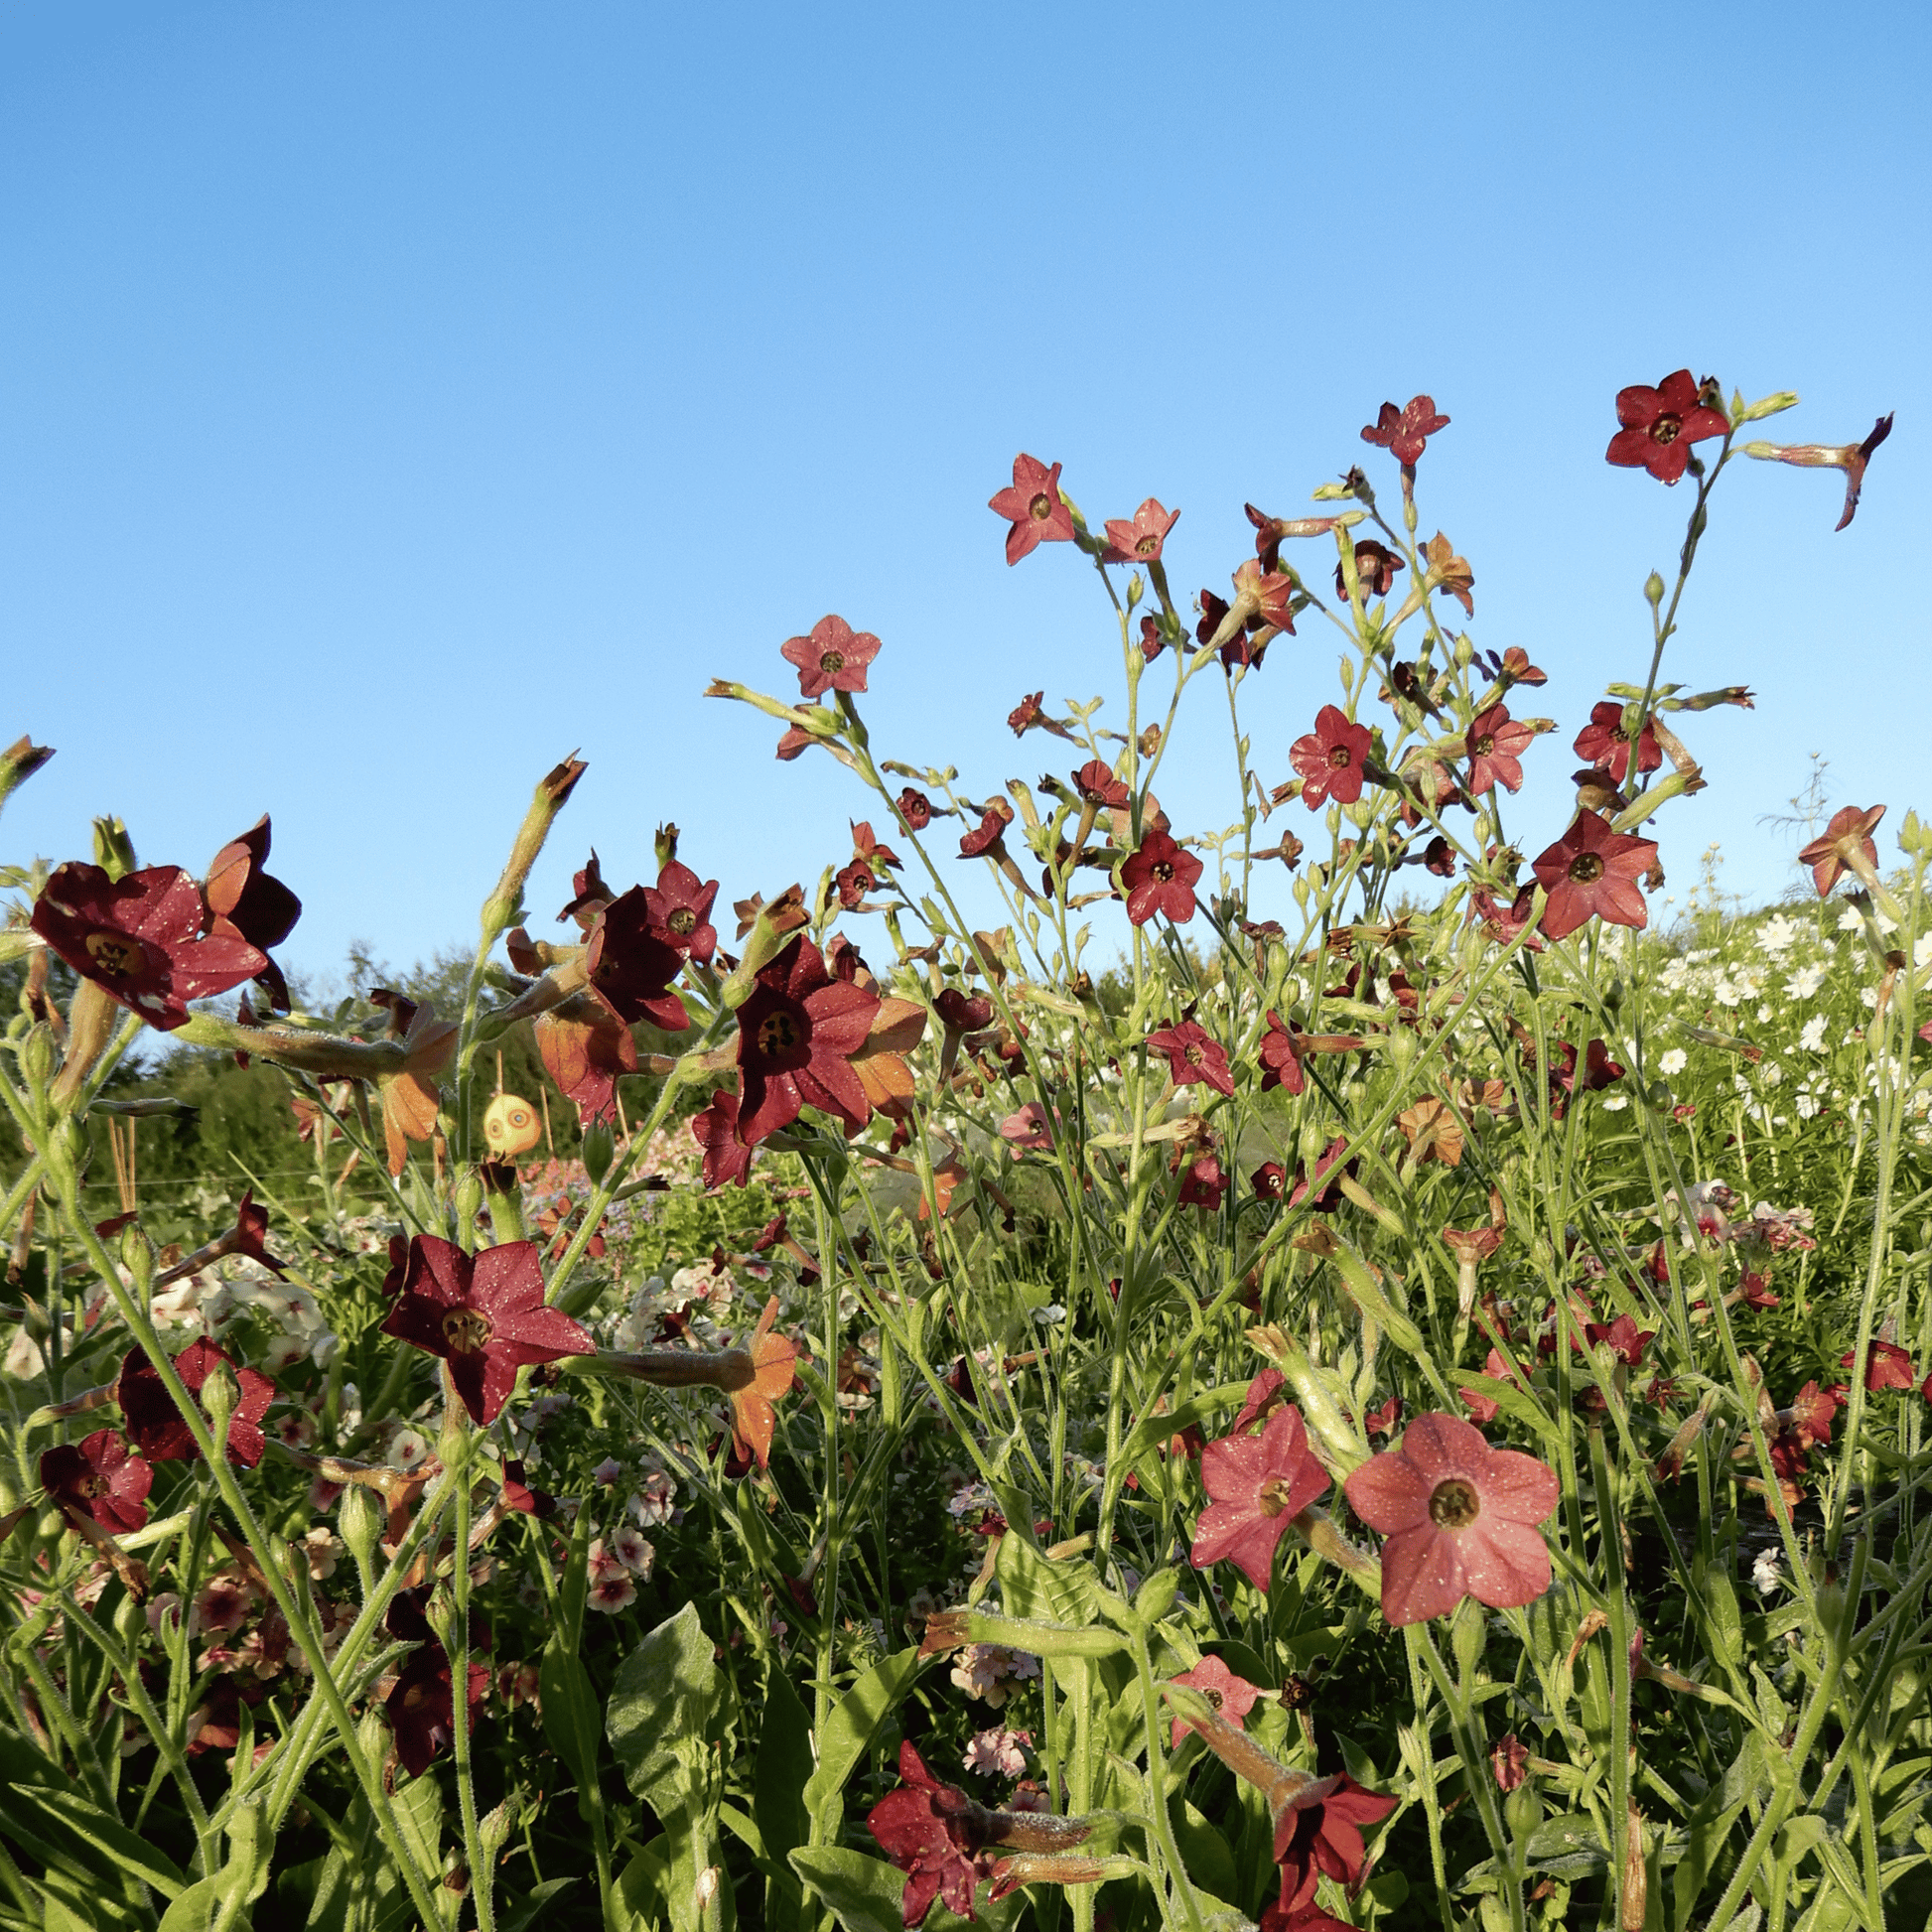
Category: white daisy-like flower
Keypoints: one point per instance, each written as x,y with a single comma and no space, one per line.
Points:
1674,1061
1805,982
1811,1038
1614,1103
1848,920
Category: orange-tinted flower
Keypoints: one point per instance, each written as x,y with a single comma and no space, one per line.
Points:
1405,432
833,658
1659,426
1159,877
1138,541
1591,873
1496,746
773,1360
139,939
1257,1485
1034,506
1330,759
1847,846
1887,1366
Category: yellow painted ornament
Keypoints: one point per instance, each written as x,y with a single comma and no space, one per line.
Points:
510,1125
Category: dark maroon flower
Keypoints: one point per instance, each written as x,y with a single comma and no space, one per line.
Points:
1159,878
1376,567
1202,1183
679,910
97,1478
1846,846
853,882
484,1314
832,658
1330,759
520,1496
1026,714
1152,641
1269,1180
1405,432
1459,1519
1661,424
916,808
1496,746
926,1829
796,1036
1592,873
1887,1366
422,1705
631,963
1257,1485
1599,1070
262,909
1281,1064
250,1232
157,1426
989,832
139,940
1097,786
1138,540
1605,743
1438,857
1034,506
588,892
727,1159
1194,1055
1627,1340
1319,1834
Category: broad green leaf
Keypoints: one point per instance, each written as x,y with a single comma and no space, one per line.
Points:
570,1716
665,1696
847,1733
785,1765
864,1893
68,1813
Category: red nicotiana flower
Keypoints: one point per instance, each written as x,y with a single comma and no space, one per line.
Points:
1661,424
990,831
853,882
1375,569
916,808
1257,1486
1318,1832
1269,1181
1097,786
832,658
1852,458
1026,714
1627,1342
678,907
588,892
727,1159
1405,432
586,1060
774,1363
1509,1761
1152,644
1486,1408
631,963
1138,541
157,1426
1847,846
262,909
1203,1182
1281,1064
1382,1421
1159,877
97,1478
1496,746
1503,922
1593,873
1194,1055
1330,759
1458,1517
926,1829
1325,1185
796,1036
1028,1130
1887,1366
1233,1696
1034,506
484,1314
421,1707
139,939
1605,743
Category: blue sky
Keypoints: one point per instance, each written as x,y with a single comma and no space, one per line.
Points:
397,398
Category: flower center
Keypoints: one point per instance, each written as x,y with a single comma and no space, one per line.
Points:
683,922
1586,868
778,1033
1213,1698
466,1331
1666,429
832,662
1455,1505
1194,1056
1040,508
1162,871
1146,546
1272,1498
1338,758
114,954
1485,744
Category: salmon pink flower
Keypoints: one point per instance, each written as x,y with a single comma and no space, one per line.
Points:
796,1036
1138,541
157,1426
1281,1064
1847,846
727,1159
1382,1421
1034,506
1509,1761
1194,1055
1887,1366
1605,743
1266,1394
139,939
97,1478
769,1364
1257,1486
1592,873
1159,877
1405,432
1496,746
1852,458
1330,759
1486,1408
484,1314
832,658
1028,1130
631,963
679,910
1233,1696
1659,426
1319,1834
1458,1518
262,909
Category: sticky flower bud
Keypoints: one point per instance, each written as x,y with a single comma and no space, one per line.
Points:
949,1630
358,1519
600,1148
113,848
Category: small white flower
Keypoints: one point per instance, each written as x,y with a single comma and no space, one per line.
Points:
1766,1577
1764,1015
1771,1073
1810,1038
24,1359
1805,982
406,1450
1614,1103
1848,920
1675,1061
1726,993
1871,998
1922,950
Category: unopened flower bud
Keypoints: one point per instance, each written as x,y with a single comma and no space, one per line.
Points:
600,1148
468,1200
219,1393
113,848
358,1521
38,1055
1653,590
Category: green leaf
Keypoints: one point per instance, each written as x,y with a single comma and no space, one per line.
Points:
1203,1850
847,1733
784,1764
570,1717
221,1901
68,1814
665,1696
523,1915
864,1893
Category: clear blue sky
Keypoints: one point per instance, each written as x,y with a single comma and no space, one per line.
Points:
394,398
